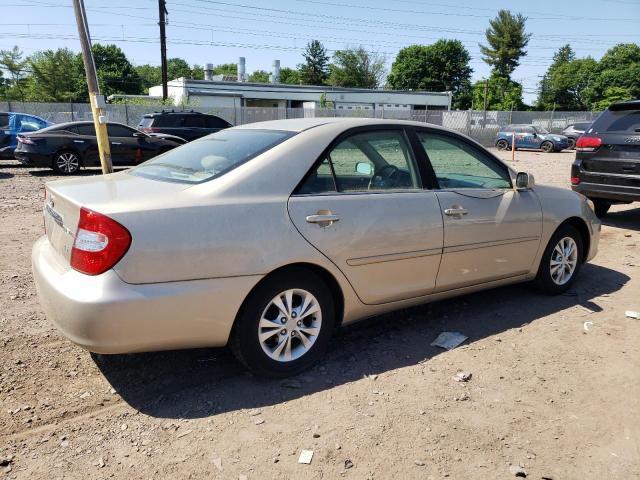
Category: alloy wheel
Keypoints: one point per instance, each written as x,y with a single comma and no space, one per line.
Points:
564,260
290,325
67,162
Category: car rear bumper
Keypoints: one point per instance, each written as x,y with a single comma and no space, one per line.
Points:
32,159
616,193
107,315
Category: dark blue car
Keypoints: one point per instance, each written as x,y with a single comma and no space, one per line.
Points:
11,124
531,136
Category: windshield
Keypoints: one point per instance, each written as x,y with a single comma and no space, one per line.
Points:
541,130
211,156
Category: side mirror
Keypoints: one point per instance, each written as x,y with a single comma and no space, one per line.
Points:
524,181
364,168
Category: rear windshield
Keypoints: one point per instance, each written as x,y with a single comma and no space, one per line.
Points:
211,156
145,122
624,121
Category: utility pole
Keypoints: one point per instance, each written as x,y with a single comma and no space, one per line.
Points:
97,100
486,88
162,6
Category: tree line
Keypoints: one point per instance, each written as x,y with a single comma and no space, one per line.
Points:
570,83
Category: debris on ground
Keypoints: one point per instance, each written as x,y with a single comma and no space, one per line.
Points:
348,464
632,314
449,340
305,457
217,461
420,463
586,326
518,471
462,376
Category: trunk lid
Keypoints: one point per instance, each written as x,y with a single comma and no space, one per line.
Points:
106,194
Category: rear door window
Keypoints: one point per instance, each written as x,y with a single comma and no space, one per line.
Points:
167,120
120,131
193,121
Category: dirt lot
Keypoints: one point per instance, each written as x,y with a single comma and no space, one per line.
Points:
562,402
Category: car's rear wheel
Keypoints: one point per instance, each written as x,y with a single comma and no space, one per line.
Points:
547,147
601,207
561,261
502,144
285,325
66,163
572,143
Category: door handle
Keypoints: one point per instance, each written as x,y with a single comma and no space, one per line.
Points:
116,143
323,219
455,211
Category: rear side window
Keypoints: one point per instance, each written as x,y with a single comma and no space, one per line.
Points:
119,131
4,120
167,120
623,121
211,156
193,121
86,129
215,122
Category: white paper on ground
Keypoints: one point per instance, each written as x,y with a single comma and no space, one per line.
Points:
449,340
305,456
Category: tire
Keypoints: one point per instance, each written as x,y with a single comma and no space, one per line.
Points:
572,143
601,207
66,163
547,147
553,279
502,144
267,356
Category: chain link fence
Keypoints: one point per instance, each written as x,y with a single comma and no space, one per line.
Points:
479,125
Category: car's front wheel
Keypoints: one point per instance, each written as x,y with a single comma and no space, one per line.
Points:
285,325
547,147
561,261
66,163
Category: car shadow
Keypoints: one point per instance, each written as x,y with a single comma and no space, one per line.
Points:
5,175
626,219
205,382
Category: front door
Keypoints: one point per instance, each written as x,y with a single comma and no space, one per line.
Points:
125,148
491,230
365,209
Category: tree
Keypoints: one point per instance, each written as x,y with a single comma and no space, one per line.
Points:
197,72
567,85
547,96
178,68
12,62
356,68
612,95
502,94
507,42
259,76
619,67
290,76
226,69
442,66
115,72
315,70
149,75
56,76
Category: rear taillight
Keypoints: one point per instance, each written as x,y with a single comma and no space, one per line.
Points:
575,180
25,140
100,243
150,130
588,144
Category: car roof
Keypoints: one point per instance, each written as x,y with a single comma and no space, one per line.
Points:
172,112
302,124
64,125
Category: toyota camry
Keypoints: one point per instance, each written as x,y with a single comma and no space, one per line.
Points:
267,237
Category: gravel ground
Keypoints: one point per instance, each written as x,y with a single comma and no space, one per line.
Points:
545,395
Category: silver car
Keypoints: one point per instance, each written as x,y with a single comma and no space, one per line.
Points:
268,236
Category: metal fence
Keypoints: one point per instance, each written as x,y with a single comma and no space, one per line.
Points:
480,125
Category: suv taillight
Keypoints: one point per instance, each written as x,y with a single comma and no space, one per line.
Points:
100,243
588,144
26,140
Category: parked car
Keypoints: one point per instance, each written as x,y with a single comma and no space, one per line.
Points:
66,147
12,124
268,236
575,131
187,125
531,136
607,164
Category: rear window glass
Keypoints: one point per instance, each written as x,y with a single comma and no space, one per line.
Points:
145,122
627,121
211,156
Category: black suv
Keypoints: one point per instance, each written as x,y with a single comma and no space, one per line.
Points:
607,165
187,125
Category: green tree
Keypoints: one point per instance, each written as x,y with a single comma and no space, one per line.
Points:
259,76
507,41
290,76
547,96
177,68
149,76
115,72
619,67
226,69
569,85
13,62
56,76
612,95
502,94
356,68
315,70
197,72
442,66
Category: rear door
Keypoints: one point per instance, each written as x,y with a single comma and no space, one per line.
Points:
124,146
491,230
364,207
193,126
617,160
5,134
